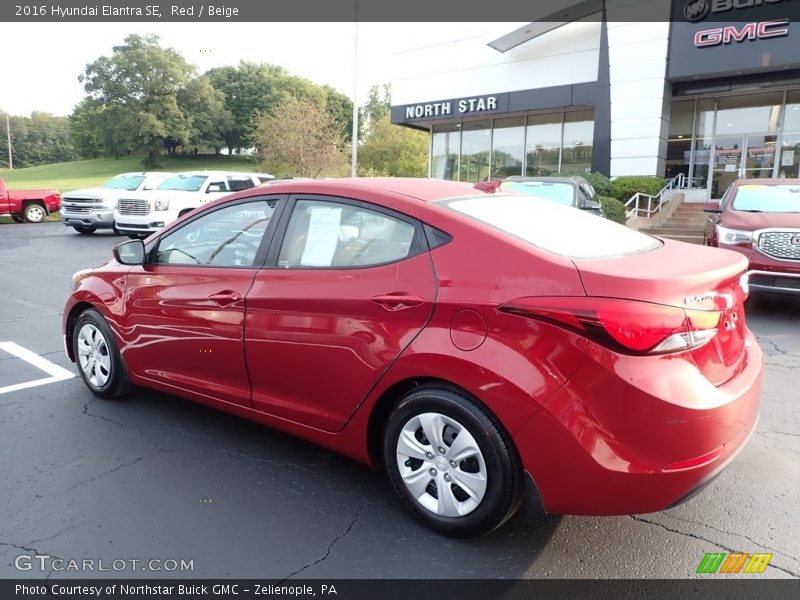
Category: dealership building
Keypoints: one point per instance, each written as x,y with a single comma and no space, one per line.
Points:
706,88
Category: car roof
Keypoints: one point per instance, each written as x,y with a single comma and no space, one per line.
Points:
425,189
769,181
145,173
571,179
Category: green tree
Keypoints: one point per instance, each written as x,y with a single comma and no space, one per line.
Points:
379,102
35,140
86,129
209,118
254,89
393,150
301,139
138,87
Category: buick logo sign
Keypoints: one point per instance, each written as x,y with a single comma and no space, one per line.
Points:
696,10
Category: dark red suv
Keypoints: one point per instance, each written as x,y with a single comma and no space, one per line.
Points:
761,219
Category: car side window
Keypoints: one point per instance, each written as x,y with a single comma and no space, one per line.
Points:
583,197
237,184
216,186
228,237
335,235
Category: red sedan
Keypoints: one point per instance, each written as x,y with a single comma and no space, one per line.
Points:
483,348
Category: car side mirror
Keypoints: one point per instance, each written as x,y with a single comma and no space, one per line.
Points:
130,252
712,207
590,205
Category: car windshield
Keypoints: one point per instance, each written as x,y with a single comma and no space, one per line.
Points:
767,198
552,227
563,193
185,183
124,182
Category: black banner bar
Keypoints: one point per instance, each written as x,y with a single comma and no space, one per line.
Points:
709,588
272,11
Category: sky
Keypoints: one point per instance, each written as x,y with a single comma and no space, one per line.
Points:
43,76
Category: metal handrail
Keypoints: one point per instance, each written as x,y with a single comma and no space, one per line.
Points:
634,206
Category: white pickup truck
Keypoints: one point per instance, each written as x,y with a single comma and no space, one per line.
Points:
139,215
90,209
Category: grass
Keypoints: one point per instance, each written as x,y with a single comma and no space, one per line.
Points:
68,176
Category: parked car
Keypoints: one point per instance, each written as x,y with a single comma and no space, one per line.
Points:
140,214
485,349
570,191
32,206
760,218
90,209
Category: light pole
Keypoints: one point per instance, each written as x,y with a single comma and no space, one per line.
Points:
354,151
8,137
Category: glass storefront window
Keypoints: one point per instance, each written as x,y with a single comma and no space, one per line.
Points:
680,119
543,145
508,147
445,152
679,144
749,114
791,119
704,136
576,155
475,146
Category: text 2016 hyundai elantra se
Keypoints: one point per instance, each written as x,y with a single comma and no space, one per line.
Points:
482,347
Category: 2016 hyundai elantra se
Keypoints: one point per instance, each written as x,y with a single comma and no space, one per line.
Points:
483,348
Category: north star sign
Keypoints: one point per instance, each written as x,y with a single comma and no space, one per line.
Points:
463,106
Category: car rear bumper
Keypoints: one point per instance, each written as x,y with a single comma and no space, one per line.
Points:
638,434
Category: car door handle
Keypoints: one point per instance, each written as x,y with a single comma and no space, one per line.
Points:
225,298
397,301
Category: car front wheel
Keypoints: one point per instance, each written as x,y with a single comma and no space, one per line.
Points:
98,357
451,462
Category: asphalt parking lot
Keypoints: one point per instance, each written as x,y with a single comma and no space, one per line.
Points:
156,477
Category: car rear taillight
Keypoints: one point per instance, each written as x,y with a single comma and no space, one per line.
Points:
625,326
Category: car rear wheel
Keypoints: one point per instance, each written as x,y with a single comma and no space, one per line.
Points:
451,462
98,357
35,213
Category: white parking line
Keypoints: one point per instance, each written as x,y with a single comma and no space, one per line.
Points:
55,372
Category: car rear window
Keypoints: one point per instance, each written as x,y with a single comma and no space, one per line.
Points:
552,227
767,198
563,193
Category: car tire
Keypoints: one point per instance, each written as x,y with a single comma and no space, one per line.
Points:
83,230
480,473
34,213
116,231
97,356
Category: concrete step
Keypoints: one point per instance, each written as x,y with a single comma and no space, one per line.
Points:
667,231
690,223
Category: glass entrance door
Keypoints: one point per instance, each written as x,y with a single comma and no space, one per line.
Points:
727,163
759,158
750,156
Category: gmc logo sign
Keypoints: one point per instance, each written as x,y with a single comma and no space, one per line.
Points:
746,31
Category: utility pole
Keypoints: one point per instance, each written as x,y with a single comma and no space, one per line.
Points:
8,135
354,157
